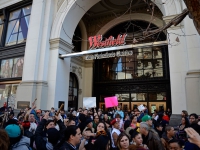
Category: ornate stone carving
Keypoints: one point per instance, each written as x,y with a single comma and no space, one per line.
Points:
77,70
80,72
59,3
74,69
79,91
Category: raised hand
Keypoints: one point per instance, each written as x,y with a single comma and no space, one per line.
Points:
46,116
193,136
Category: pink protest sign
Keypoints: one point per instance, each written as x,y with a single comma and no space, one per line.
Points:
111,101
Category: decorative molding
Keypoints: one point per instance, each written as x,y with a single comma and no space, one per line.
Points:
77,70
80,72
74,69
193,72
6,3
59,3
88,63
78,60
34,83
79,91
11,82
61,44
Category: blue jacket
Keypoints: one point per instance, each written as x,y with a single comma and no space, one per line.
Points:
121,113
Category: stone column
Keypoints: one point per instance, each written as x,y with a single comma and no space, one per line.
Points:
88,78
184,67
58,74
178,63
192,80
35,71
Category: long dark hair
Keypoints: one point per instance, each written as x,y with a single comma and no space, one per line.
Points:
101,142
187,123
127,124
134,132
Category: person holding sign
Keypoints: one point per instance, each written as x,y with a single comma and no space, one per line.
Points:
121,113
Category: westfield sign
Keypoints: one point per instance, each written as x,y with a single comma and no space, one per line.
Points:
96,41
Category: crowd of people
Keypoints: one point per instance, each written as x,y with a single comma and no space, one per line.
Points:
92,129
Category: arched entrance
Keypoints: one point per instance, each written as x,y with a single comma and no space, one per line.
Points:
61,24
142,78
73,92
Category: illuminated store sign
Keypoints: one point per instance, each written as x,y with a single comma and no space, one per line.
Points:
109,55
96,41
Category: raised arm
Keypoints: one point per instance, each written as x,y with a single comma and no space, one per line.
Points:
39,141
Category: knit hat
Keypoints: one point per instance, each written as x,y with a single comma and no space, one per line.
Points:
146,118
53,135
13,130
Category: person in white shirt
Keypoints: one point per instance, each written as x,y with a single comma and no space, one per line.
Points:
115,132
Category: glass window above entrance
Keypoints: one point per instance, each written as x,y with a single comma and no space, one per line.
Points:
144,63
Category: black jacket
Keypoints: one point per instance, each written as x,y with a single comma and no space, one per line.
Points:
40,140
66,146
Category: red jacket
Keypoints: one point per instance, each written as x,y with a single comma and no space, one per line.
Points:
166,118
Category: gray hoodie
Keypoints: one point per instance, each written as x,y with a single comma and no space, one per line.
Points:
23,144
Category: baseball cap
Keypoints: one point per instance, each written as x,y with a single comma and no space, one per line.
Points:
114,121
13,130
146,118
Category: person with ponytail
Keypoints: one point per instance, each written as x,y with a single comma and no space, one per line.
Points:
137,140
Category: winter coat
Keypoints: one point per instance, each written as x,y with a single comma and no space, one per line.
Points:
67,146
191,146
23,144
41,141
154,142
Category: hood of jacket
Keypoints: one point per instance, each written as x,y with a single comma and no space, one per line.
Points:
24,143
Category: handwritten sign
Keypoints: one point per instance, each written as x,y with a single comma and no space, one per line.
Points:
111,101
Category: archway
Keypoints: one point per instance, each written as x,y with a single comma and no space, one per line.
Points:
65,23
68,9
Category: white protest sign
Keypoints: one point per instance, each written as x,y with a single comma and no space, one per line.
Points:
89,102
141,108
